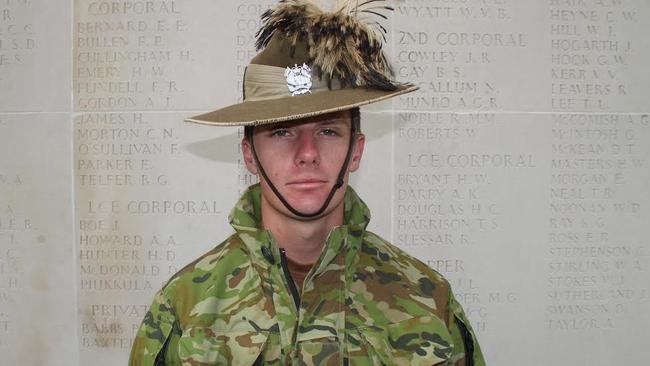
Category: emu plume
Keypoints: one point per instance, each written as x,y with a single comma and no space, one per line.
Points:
343,44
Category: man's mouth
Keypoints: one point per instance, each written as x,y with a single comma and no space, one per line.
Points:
306,183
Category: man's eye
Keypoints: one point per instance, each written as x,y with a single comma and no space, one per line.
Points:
280,133
330,132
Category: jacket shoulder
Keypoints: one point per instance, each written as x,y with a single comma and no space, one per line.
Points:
205,294
407,278
211,275
410,267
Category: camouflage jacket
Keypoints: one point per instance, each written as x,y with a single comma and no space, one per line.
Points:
364,302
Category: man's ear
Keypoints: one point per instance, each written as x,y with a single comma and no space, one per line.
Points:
355,160
247,154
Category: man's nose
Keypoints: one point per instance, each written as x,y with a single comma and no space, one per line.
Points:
307,153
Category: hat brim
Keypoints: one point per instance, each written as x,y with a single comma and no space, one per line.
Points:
259,112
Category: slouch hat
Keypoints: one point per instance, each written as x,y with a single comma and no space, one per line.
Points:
313,62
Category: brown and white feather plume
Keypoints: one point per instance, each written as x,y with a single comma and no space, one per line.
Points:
341,44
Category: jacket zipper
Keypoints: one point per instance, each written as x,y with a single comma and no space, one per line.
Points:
292,285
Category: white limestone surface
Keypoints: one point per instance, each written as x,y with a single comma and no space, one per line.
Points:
151,196
35,55
38,324
152,55
537,221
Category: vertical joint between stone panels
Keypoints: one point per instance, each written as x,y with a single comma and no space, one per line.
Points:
75,235
76,359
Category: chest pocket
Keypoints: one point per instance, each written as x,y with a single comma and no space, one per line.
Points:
204,346
414,342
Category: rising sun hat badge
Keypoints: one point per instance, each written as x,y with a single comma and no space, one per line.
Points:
298,79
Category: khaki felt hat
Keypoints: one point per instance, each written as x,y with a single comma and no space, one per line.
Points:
312,62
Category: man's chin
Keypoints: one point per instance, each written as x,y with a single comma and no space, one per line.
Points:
305,200
307,207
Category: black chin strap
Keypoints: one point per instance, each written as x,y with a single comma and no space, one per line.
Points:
337,185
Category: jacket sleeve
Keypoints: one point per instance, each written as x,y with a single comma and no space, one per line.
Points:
467,351
151,338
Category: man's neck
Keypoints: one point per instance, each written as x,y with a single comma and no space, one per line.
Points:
303,240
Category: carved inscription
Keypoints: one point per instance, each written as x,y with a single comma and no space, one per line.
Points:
124,175
18,238
16,229
126,57
596,268
117,149
17,34
443,206
111,326
476,298
589,55
247,22
447,61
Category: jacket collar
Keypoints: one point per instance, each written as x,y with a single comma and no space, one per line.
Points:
246,219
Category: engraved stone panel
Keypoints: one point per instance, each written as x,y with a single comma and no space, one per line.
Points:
523,56
152,55
35,57
596,245
537,222
37,302
596,56
150,198
465,55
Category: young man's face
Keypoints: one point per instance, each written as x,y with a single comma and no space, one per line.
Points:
303,159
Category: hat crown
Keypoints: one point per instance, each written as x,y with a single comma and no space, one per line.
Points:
280,53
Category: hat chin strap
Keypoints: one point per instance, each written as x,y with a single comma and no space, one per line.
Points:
337,185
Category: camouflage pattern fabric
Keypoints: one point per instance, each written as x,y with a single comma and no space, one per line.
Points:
364,302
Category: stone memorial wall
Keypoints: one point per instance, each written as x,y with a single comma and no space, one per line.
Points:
519,169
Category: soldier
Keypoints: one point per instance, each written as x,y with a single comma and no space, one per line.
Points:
301,281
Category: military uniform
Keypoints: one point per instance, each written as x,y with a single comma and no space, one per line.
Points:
365,302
